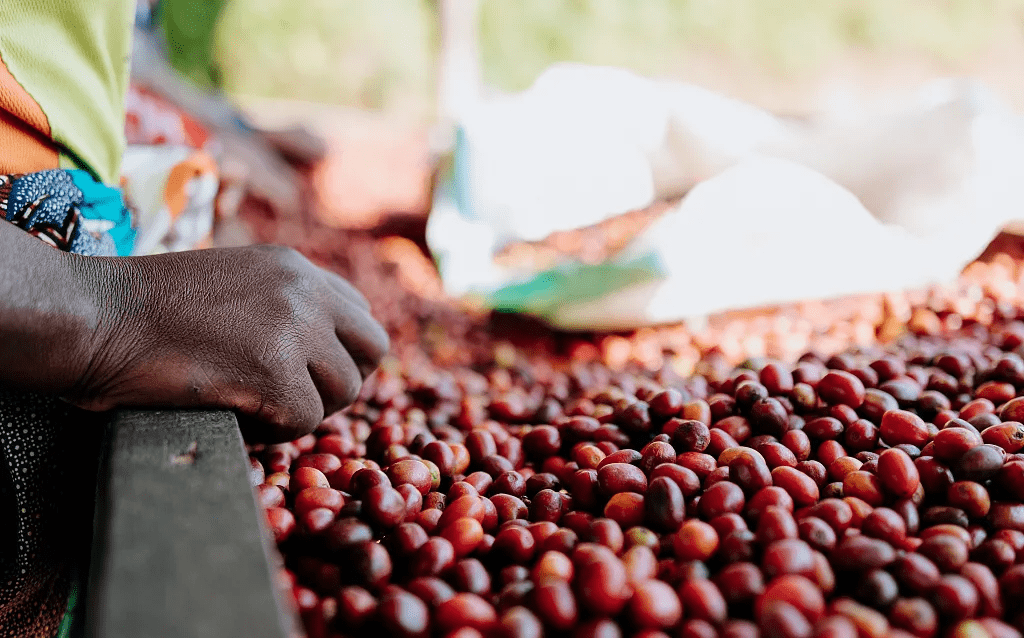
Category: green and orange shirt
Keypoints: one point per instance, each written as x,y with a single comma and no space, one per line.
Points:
63,78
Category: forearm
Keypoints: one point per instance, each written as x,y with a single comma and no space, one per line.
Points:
48,313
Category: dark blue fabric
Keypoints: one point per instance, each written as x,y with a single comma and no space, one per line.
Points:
69,210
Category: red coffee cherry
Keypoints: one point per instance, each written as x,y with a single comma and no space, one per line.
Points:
843,388
897,473
900,426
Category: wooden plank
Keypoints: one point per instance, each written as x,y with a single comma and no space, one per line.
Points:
179,548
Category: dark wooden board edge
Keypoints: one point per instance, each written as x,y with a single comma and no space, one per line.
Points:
180,548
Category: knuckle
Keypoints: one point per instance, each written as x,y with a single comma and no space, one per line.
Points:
350,391
375,347
345,391
289,419
284,258
292,258
274,414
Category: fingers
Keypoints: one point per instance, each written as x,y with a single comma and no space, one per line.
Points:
336,377
286,412
313,360
334,282
337,357
345,289
362,336
330,382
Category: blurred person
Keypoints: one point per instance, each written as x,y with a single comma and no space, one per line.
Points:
86,327
173,58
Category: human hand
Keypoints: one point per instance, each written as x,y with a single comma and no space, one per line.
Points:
259,330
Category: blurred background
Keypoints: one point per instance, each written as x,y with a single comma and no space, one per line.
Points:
786,55
366,78
368,71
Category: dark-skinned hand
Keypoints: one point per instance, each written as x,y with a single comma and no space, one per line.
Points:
258,330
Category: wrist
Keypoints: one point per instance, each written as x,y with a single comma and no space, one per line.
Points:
49,310
108,291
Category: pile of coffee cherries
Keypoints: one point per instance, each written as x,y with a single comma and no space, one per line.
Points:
878,492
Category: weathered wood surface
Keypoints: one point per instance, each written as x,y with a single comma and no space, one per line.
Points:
179,550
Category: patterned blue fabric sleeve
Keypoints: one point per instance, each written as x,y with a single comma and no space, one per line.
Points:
69,210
